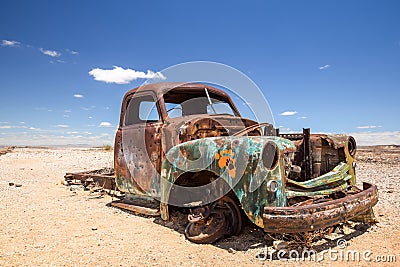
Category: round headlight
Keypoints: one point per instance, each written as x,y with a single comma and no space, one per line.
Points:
352,146
270,155
272,186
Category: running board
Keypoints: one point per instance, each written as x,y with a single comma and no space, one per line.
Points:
134,207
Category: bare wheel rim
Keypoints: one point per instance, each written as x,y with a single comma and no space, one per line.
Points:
209,231
233,215
225,220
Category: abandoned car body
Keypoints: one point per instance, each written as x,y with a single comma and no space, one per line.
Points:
186,145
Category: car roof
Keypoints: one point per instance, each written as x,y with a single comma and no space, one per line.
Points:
161,88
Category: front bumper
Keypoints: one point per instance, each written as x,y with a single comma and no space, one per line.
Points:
316,216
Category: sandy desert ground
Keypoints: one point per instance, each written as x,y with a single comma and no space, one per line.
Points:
44,223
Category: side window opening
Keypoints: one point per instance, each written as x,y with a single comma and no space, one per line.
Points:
174,110
148,111
141,109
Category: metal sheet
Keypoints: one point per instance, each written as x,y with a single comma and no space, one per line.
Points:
317,216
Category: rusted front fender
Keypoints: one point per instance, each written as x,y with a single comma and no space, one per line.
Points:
316,216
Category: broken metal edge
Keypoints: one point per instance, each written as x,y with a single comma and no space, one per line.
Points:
135,208
105,180
316,216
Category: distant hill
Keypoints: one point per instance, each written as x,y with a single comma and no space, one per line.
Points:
383,148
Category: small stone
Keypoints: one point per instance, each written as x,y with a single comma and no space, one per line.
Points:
231,250
94,228
255,245
338,230
351,224
18,185
169,224
347,230
333,236
77,187
280,244
11,184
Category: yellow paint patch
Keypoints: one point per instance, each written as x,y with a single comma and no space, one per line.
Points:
226,160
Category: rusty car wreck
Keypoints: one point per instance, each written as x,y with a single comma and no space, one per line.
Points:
186,144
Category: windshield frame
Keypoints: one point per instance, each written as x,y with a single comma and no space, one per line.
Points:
180,95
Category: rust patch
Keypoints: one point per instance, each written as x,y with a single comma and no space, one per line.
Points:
316,216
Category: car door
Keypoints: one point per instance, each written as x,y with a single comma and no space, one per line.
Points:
141,141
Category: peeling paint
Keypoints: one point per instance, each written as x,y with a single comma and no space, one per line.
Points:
154,158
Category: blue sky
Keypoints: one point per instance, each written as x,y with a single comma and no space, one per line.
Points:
333,66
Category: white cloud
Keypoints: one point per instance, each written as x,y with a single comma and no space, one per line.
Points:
324,67
51,53
105,124
368,127
10,43
78,96
120,75
288,113
88,108
72,52
62,126
81,133
302,118
377,138
38,129
12,127
284,129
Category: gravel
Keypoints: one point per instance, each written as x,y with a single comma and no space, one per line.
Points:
43,223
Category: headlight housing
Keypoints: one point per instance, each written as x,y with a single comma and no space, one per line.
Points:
272,186
270,155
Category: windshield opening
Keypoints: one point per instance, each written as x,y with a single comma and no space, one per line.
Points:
184,103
